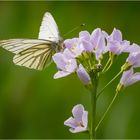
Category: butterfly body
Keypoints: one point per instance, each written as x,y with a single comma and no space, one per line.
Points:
36,53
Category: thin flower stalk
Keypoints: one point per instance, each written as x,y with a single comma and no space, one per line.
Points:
110,82
106,65
107,110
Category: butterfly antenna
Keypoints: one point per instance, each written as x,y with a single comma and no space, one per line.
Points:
74,29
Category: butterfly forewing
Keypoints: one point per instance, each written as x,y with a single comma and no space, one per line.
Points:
49,29
18,45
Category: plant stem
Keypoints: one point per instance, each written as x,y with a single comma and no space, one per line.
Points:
109,63
110,105
100,92
106,64
93,109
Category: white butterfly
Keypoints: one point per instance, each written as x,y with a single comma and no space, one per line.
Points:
36,53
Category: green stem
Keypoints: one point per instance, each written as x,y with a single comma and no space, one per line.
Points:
93,109
100,92
93,114
106,64
110,105
109,66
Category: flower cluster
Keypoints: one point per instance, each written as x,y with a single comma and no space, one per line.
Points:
81,55
84,55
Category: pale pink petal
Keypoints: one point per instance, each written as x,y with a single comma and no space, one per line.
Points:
126,76
61,74
77,112
85,119
135,78
83,75
78,129
60,60
70,122
84,35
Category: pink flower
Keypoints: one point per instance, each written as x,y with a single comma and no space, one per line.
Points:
129,77
134,59
115,43
66,64
79,121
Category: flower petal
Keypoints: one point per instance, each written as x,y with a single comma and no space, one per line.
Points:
60,74
132,48
71,65
95,36
78,129
77,112
101,43
100,48
68,54
70,42
134,59
84,35
83,75
70,122
60,60
114,47
116,35
125,76
87,45
135,78
85,119
105,34
74,45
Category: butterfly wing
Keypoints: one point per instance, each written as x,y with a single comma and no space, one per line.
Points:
37,57
49,29
18,45
36,53
31,53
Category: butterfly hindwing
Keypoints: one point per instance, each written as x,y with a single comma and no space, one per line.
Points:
31,53
37,57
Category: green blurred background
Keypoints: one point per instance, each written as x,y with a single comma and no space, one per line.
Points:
32,103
